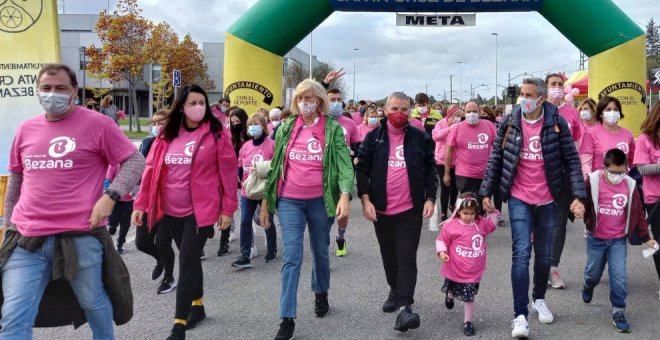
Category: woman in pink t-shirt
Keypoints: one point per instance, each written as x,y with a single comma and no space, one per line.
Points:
191,155
461,246
605,136
371,121
647,161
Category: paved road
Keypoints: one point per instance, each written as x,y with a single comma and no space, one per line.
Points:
244,304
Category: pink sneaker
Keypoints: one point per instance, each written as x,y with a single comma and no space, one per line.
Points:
555,281
494,217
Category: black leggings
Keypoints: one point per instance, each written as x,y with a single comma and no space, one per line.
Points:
190,240
653,211
146,242
121,216
447,194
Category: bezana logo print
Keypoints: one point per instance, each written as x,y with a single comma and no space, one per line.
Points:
533,150
482,138
314,152
477,242
190,147
61,146
313,145
535,144
623,147
399,159
619,201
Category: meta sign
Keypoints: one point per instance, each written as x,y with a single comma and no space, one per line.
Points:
436,5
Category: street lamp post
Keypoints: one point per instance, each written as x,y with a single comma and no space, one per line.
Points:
496,35
354,72
451,90
460,83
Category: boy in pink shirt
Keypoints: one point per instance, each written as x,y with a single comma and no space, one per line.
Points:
614,213
461,246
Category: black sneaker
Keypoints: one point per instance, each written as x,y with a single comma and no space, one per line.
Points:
587,294
468,329
390,305
620,323
166,285
241,263
112,230
449,303
406,319
197,314
321,306
157,272
178,332
271,256
121,250
286,329
223,250
202,256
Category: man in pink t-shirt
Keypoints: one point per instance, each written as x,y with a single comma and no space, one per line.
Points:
397,185
58,163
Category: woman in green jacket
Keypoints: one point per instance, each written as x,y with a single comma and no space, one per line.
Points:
309,183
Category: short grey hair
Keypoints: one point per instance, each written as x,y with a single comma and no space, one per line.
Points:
541,86
397,95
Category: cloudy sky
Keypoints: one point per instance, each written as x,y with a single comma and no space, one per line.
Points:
401,58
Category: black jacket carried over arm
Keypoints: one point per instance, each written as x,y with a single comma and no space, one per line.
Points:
562,162
373,157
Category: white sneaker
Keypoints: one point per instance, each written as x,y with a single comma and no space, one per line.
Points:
542,310
253,252
555,280
232,236
520,327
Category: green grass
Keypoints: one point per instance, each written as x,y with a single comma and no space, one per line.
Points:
136,135
143,121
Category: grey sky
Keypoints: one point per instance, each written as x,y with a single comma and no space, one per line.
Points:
401,58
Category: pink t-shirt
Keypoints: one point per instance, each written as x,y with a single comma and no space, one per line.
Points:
472,146
362,131
466,247
416,123
585,130
530,184
358,118
598,141
222,117
398,185
303,178
112,172
350,130
647,153
612,203
63,165
572,117
251,154
177,197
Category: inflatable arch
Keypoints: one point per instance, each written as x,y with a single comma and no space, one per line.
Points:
256,43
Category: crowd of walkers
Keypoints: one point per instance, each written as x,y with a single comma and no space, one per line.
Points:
294,169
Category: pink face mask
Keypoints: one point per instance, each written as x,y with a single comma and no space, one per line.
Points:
195,113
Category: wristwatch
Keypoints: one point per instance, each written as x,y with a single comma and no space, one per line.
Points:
350,197
113,195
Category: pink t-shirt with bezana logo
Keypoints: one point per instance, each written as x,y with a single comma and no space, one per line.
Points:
572,117
612,209
350,130
110,175
362,131
598,141
251,154
398,184
177,197
466,247
472,147
64,164
530,183
304,166
648,153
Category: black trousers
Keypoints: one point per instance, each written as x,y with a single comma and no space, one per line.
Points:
398,238
653,212
468,184
146,242
121,216
190,240
448,194
561,219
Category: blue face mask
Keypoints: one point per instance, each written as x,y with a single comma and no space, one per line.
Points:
336,109
155,130
255,131
372,121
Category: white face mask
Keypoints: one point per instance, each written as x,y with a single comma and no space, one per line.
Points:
472,118
611,117
55,103
423,109
306,108
275,123
585,114
615,178
556,93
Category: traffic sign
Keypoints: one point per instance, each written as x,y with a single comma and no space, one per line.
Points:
176,78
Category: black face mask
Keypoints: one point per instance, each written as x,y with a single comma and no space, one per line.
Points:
237,127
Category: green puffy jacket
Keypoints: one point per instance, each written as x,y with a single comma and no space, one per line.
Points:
337,166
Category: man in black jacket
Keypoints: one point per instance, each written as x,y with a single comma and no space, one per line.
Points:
397,184
532,156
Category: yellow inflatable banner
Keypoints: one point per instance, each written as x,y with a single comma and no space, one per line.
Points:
29,38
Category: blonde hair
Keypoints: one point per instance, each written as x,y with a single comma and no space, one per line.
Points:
370,111
264,111
106,101
259,119
317,90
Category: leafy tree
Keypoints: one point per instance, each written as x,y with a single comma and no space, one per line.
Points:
297,72
652,39
161,45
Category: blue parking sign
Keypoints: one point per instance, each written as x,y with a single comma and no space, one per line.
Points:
176,78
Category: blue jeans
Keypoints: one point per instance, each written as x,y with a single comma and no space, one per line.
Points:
294,215
248,207
527,218
613,252
26,275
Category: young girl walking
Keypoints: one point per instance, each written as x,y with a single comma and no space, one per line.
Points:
461,246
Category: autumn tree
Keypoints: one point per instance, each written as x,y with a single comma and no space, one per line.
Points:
162,43
297,72
124,36
188,57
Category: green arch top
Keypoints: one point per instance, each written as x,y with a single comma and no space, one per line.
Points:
594,26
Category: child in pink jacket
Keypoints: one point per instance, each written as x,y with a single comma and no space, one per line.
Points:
461,246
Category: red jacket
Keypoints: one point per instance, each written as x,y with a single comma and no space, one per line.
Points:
635,218
214,165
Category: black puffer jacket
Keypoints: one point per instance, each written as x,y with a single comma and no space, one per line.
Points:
562,162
